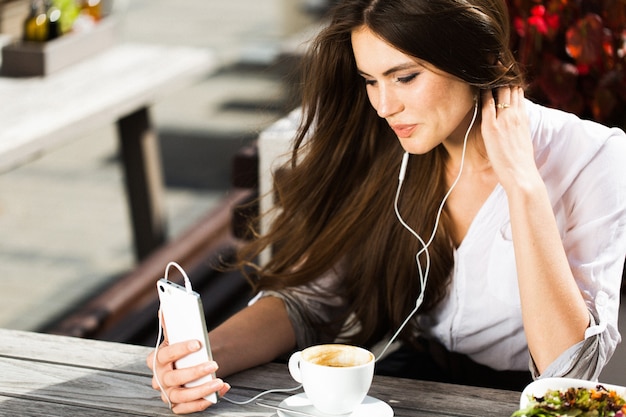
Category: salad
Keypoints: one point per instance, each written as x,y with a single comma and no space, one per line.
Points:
575,402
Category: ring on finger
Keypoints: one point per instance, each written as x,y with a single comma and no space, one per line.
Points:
503,105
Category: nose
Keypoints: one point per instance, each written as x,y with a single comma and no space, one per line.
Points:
387,103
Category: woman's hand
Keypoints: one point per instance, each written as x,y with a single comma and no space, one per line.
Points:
506,133
172,380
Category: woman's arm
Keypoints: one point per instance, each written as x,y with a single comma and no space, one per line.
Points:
258,334
554,313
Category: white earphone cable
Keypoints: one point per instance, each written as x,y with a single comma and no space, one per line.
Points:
256,397
158,342
154,361
160,333
423,273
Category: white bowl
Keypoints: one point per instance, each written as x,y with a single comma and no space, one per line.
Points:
539,387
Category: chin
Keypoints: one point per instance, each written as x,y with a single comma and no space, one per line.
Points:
415,146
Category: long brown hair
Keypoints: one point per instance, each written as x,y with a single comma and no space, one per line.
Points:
335,197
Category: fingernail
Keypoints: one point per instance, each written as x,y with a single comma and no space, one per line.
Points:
209,367
194,345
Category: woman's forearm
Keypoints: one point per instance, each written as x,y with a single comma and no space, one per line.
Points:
256,335
553,310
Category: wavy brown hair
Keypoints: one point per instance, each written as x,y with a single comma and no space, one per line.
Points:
335,196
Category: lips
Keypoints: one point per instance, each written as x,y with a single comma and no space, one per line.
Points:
403,130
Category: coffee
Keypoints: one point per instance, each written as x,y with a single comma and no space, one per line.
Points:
335,378
337,356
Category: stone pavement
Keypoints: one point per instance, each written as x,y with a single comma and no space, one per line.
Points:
63,218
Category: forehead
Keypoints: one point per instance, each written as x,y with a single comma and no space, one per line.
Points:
374,55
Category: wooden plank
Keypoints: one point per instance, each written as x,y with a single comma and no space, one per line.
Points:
61,386
80,386
12,406
431,398
84,352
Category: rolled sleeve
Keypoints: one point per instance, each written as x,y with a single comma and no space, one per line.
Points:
311,306
585,359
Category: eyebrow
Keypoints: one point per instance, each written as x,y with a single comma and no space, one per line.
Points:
401,67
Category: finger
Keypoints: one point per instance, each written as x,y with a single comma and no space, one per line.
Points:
504,96
150,360
178,377
224,389
171,353
151,356
488,104
165,398
517,96
182,395
155,383
166,356
191,407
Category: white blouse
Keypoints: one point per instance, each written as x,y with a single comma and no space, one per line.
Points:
583,165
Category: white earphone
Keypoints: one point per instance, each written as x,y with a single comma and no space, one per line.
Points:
423,273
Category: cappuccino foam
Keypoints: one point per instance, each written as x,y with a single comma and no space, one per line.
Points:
338,356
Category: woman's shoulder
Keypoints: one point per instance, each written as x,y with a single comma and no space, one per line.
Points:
552,127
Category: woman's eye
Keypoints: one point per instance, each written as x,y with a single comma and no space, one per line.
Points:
370,82
407,79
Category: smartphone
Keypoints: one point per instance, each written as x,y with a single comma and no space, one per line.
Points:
183,318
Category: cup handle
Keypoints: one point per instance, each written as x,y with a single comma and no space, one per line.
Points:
294,366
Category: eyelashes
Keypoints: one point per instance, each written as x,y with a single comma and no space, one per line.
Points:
407,79
400,80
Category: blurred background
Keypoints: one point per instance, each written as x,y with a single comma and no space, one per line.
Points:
64,219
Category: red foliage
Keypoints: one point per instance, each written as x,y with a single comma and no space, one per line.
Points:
574,54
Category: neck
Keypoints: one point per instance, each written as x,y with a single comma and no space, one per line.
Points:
476,159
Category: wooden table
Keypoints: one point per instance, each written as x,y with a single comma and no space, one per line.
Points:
47,375
118,85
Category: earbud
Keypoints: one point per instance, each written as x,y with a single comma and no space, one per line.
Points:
405,161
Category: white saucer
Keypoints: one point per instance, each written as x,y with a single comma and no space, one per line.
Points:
370,407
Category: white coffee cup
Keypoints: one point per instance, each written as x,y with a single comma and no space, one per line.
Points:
335,377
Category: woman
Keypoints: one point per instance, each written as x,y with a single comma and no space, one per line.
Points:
518,212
